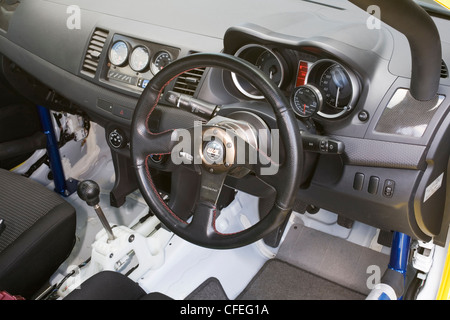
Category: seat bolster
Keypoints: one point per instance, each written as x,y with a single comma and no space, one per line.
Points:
107,285
28,263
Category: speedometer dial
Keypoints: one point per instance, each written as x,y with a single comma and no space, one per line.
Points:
339,85
119,52
336,86
140,57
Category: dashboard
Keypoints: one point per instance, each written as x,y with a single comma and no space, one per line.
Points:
345,82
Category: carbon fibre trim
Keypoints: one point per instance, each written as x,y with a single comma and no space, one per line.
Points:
373,153
406,116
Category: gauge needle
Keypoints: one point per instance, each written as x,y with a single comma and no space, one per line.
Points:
272,72
304,108
337,96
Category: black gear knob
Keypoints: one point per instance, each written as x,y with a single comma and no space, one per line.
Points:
89,191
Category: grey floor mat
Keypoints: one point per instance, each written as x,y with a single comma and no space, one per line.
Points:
211,289
278,280
310,265
332,258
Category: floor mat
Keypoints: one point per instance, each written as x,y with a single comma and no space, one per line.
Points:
211,289
278,280
332,258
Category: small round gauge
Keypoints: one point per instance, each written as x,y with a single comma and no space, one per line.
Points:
336,86
306,100
139,59
119,52
160,61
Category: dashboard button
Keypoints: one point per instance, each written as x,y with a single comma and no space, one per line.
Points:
123,112
358,183
363,116
105,105
374,182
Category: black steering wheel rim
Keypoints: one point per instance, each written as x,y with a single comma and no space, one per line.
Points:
289,171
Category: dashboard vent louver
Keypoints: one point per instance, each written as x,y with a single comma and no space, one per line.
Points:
188,82
444,70
93,52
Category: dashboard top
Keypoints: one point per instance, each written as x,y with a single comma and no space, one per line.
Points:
318,33
198,26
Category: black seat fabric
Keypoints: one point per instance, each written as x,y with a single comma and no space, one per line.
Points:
39,233
109,285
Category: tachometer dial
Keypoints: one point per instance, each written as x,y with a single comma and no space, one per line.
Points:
160,61
270,65
269,61
139,59
306,101
119,52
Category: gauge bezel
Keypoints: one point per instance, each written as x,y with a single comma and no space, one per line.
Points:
324,64
131,58
127,55
256,50
315,91
153,66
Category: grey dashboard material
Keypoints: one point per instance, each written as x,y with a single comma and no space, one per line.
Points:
41,44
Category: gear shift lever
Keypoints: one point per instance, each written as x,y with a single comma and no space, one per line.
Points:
89,191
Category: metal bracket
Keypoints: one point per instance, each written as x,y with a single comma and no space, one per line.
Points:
422,256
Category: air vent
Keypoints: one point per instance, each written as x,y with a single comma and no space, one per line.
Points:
188,82
444,70
94,50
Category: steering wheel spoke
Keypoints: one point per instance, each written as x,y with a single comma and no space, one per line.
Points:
203,219
210,186
255,160
202,223
152,144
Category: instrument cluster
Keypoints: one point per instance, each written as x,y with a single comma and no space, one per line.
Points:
319,87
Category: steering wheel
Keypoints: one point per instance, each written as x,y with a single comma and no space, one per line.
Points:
213,142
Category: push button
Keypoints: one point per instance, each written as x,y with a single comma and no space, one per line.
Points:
123,112
105,105
373,185
358,183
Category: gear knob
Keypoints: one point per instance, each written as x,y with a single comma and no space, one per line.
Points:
89,191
